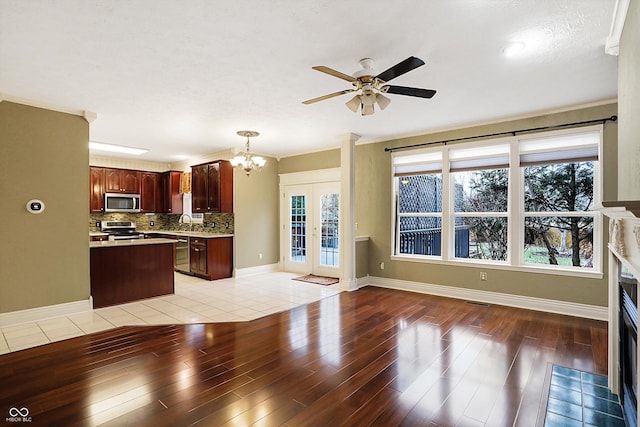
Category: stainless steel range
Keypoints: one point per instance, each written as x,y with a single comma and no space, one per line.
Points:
121,230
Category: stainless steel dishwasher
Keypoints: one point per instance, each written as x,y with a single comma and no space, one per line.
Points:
182,255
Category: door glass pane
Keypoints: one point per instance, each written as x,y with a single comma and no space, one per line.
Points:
298,229
329,214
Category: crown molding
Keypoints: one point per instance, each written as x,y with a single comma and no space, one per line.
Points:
89,116
612,45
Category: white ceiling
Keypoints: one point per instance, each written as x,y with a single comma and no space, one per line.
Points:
181,77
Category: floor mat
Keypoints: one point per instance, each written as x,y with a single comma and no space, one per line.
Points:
318,280
577,398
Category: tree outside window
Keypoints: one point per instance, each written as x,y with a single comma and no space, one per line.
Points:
561,232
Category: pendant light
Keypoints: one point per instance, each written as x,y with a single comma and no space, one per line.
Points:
247,161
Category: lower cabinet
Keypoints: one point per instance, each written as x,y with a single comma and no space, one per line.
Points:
211,258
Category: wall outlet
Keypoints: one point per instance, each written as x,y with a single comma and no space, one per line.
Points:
151,223
213,225
260,256
382,266
483,276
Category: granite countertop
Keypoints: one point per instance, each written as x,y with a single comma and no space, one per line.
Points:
188,233
129,242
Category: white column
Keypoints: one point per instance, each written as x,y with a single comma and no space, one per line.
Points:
348,213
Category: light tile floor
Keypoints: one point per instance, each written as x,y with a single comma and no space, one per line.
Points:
195,301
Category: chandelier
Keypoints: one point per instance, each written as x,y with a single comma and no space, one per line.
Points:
247,161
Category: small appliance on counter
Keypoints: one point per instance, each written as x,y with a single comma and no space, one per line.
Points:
121,230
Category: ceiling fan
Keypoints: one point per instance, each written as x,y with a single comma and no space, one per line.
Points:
372,87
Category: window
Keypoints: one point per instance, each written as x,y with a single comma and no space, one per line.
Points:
558,178
419,204
480,185
196,218
523,201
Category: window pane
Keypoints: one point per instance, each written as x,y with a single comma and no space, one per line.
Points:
420,193
481,238
481,190
330,226
420,235
562,187
555,240
298,229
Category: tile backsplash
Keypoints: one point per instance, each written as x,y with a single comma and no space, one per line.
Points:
221,223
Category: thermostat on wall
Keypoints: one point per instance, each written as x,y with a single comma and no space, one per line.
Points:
35,206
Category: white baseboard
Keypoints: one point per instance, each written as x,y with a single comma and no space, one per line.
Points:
260,269
518,301
42,313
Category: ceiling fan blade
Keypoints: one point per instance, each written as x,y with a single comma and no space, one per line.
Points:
400,68
331,95
334,73
409,91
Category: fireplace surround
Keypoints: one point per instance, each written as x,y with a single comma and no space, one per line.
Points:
624,275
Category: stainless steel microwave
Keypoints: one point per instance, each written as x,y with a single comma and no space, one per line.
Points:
118,202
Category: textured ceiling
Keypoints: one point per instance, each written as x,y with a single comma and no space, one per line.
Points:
181,77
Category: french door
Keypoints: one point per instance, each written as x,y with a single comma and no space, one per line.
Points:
312,228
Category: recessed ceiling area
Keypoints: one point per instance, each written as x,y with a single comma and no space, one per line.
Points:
181,78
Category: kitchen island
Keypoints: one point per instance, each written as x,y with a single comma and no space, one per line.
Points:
130,270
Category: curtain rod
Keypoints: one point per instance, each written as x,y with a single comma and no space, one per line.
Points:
513,133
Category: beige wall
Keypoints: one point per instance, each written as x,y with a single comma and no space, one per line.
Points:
373,211
313,161
629,106
256,216
44,258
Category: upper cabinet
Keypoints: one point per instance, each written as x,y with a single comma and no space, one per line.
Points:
150,192
212,187
96,190
170,197
159,192
121,181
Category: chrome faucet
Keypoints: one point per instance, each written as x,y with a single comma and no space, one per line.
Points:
181,220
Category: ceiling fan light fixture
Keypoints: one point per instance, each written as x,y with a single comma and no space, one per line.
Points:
354,103
367,109
382,101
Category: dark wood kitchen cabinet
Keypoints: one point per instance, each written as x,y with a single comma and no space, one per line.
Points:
121,180
211,258
96,189
170,197
212,187
150,192
198,257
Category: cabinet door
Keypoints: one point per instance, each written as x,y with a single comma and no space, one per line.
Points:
130,181
200,188
96,190
214,187
112,178
170,197
198,258
149,191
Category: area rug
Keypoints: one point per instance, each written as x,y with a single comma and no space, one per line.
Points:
318,280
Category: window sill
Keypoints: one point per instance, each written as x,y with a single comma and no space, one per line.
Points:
592,274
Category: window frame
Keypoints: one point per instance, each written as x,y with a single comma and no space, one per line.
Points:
515,212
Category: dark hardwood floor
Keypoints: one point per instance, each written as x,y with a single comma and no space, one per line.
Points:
371,357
